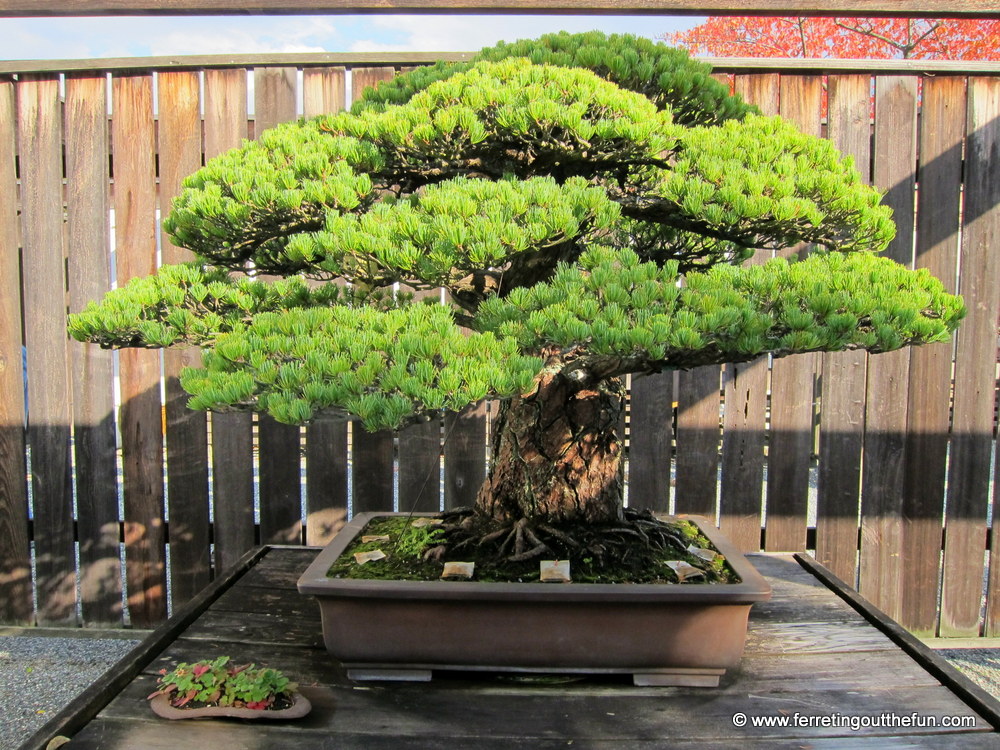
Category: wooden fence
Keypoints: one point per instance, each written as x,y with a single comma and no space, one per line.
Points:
895,499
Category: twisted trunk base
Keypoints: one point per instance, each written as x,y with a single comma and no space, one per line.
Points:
557,455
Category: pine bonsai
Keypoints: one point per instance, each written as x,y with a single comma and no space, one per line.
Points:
586,202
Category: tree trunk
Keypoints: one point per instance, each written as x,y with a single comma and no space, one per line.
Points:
557,454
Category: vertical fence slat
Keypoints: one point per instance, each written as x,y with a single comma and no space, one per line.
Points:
464,455
187,429
49,416
88,229
324,90
888,374
372,452
843,379
15,555
420,457
280,466
141,417
792,378
650,439
942,126
975,367
744,416
232,434
698,441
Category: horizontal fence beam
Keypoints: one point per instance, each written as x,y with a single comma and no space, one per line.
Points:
790,66
896,8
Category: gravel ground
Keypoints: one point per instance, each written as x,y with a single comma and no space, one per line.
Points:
40,675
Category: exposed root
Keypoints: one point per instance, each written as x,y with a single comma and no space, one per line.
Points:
631,541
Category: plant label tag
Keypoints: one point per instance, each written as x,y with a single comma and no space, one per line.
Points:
458,571
700,552
684,570
419,523
374,538
554,571
363,557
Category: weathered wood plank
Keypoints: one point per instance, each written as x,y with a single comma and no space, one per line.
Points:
745,386
698,441
651,431
789,446
324,90
572,715
407,59
942,128
49,416
109,734
904,8
420,467
280,465
89,233
16,606
975,367
464,455
141,418
187,430
372,453
232,434
895,164
843,379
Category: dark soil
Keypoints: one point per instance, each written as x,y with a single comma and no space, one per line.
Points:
633,550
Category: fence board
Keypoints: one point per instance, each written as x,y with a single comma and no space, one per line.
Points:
16,604
88,230
420,456
792,378
942,126
187,430
141,418
745,384
372,453
232,434
45,336
280,465
326,441
895,161
843,379
651,418
698,441
975,367
465,447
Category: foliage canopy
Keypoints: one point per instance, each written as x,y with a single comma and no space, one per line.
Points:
585,201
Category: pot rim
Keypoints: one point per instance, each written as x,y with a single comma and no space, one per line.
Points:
751,588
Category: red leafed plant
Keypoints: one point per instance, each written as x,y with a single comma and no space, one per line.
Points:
219,683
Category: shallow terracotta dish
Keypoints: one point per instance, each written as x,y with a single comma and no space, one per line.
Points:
299,708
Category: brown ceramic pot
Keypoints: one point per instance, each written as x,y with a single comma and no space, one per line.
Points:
662,634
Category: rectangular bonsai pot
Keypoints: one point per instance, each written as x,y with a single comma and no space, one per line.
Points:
662,634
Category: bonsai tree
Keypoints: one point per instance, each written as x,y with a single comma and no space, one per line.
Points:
586,201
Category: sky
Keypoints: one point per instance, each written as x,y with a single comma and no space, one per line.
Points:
76,38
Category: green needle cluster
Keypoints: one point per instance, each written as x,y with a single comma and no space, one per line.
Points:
584,200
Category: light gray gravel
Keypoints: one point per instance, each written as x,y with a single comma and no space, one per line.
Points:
40,675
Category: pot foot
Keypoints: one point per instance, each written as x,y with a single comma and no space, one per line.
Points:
678,678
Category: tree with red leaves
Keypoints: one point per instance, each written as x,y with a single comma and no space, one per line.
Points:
870,38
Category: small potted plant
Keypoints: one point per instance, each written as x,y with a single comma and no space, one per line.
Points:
219,688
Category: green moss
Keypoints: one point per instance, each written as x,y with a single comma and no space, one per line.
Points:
639,563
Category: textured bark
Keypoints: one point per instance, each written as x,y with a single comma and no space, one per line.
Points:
557,454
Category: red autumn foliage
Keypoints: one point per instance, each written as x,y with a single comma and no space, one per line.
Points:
866,38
